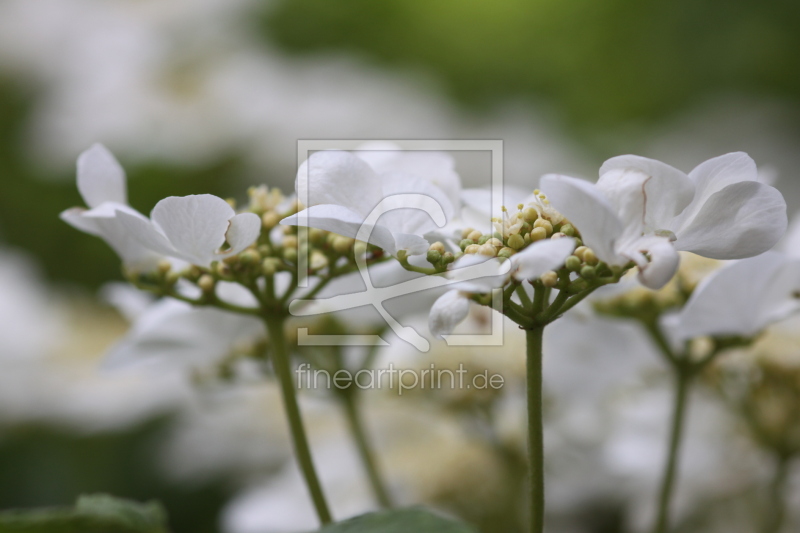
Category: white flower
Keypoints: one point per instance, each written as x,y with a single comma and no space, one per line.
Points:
193,228
642,206
342,190
102,184
452,307
740,299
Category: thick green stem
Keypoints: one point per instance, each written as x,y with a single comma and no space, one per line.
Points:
282,366
356,424
683,380
777,510
535,429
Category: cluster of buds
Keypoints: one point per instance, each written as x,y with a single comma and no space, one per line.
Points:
439,257
514,231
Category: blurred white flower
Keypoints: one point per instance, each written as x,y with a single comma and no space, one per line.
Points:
342,190
533,261
193,228
740,299
641,206
102,184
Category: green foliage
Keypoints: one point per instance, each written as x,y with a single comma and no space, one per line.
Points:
600,63
399,521
97,513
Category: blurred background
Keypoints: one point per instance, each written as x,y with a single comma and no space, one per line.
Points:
212,95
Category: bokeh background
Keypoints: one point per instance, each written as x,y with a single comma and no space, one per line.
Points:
212,96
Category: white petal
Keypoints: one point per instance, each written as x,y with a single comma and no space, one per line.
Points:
588,210
341,220
412,244
790,244
448,311
145,232
338,178
195,225
476,273
741,220
75,218
711,177
666,190
664,261
416,216
244,229
540,257
737,299
100,177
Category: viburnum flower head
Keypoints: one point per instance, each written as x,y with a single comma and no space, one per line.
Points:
643,210
342,189
190,228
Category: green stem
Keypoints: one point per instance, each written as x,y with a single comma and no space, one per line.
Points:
356,424
535,428
777,513
282,366
683,378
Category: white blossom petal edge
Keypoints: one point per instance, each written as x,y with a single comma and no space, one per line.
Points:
740,299
102,184
194,228
638,206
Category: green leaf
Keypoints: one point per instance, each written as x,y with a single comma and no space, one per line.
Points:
414,520
98,513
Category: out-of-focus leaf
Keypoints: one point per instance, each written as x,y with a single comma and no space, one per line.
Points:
98,513
414,520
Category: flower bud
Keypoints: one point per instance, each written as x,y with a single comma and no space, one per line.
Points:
172,277
590,258
544,223
588,272
270,265
223,270
290,254
516,241
342,244
270,219
438,246
289,241
472,249
401,255
538,233
573,263
164,266
487,249
568,230
264,250
497,243
579,251
484,239
549,279
317,260
557,235
360,248
465,232
249,258
529,214
448,258
206,283
433,256
506,252
464,243
316,236
474,235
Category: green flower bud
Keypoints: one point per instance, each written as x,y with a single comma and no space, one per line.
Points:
497,235
264,250
588,272
590,258
290,254
573,263
249,258
516,241
484,239
342,244
538,233
270,219
506,252
401,255
543,223
433,257
568,230
164,266
448,258
464,243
